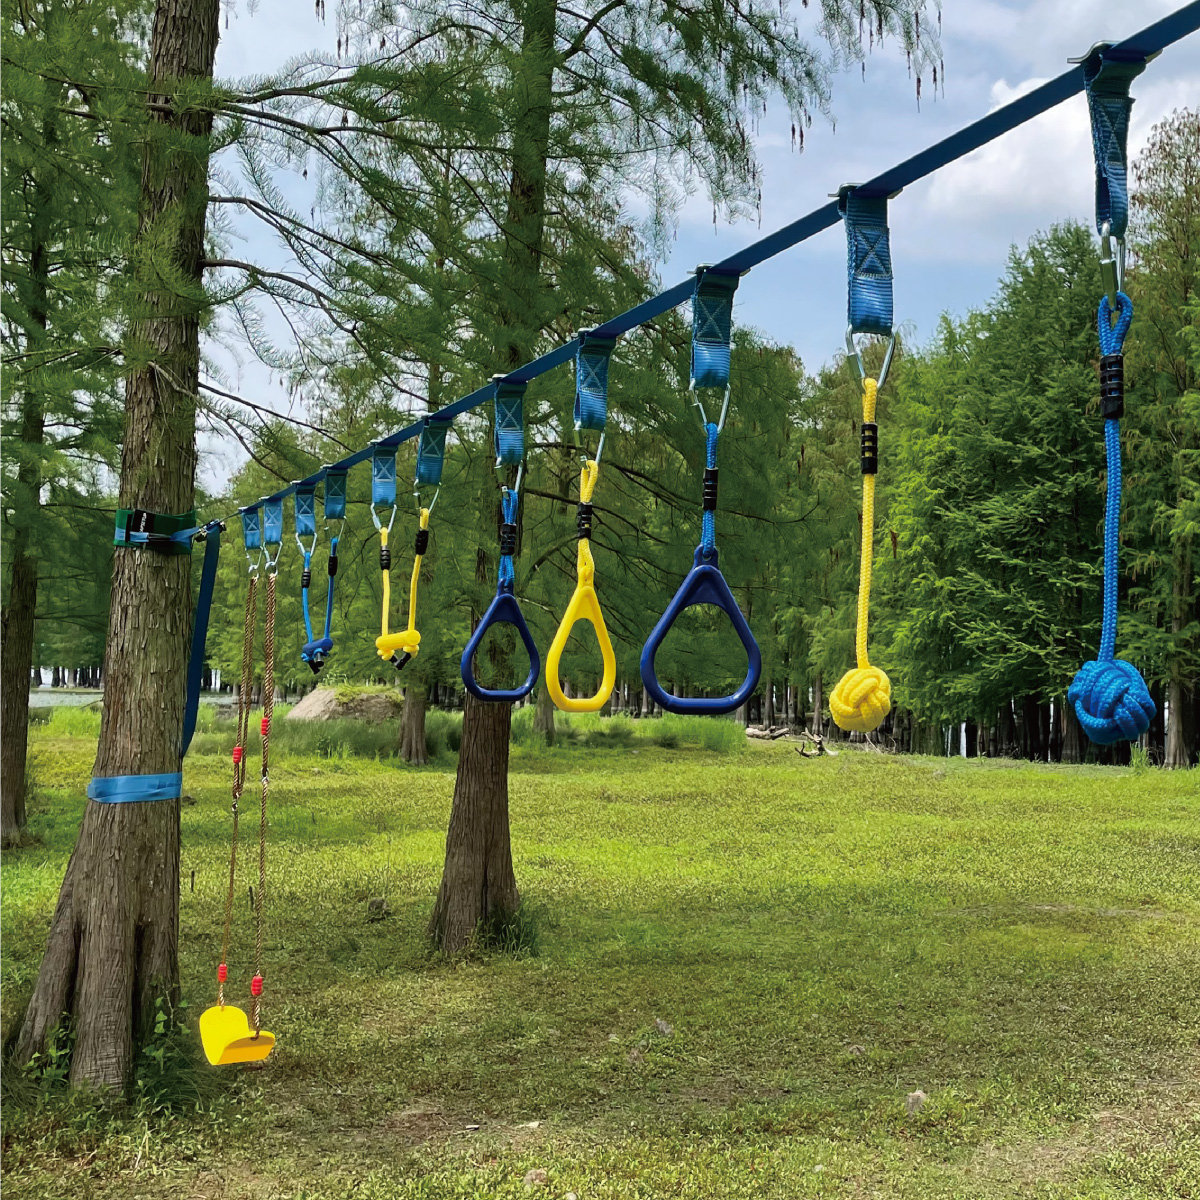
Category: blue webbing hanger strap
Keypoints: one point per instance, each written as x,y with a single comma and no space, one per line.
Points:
306,509
591,380
1107,79
712,327
252,528
509,429
431,452
503,610
868,261
272,523
383,476
335,495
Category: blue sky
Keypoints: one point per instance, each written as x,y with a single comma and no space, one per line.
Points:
950,233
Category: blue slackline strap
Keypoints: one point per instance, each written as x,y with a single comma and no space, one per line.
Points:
506,576
129,789
509,430
383,475
252,528
708,526
306,509
164,532
335,494
868,261
591,380
272,522
195,672
712,327
1107,79
431,452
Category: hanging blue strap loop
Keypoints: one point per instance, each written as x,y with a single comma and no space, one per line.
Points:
272,530
504,610
195,674
1110,697
591,380
251,528
703,584
1107,78
306,510
383,476
509,427
868,261
431,452
335,495
712,327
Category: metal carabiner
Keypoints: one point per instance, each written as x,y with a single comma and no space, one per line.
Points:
704,415
1112,266
583,456
437,491
379,525
854,354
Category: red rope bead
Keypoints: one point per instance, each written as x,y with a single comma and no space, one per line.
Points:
237,754
266,726
256,986
222,973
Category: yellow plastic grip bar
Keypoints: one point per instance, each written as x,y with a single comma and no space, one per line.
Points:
584,606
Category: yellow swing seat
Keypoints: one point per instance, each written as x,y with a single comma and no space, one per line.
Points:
227,1037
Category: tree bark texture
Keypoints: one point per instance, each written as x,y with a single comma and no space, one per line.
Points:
478,884
543,717
20,604
112,953
412,726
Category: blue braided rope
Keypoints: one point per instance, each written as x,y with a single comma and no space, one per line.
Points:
304,598
708,526
506,576
333,549
1110,697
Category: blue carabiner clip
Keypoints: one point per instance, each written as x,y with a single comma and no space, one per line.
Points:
703,584
503,610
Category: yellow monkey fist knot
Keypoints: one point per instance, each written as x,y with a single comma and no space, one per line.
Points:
862,698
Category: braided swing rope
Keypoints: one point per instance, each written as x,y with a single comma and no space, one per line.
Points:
863,696
249,623
256,983
1110,696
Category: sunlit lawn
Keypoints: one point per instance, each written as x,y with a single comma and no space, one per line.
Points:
744,964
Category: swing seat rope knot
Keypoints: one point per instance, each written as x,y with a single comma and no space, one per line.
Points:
1111,701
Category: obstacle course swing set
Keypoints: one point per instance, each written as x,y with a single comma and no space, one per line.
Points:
1108,694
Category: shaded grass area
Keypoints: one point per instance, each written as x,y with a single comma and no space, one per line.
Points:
747,961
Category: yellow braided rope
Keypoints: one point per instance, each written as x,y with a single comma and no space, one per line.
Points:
584,606
387,589
863,696
406,641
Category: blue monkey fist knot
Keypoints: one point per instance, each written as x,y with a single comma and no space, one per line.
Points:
1111,701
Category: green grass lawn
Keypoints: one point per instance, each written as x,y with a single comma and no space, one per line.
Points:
744,962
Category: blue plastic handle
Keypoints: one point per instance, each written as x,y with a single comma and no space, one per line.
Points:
504,610
315,652
703,584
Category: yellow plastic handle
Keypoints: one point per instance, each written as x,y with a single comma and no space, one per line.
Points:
408,640
584,606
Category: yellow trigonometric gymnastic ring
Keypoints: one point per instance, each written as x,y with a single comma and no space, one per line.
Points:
584,606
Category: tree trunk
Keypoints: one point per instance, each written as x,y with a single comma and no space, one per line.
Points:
478,884
412,726
818,717
768,703
543,717
112,953
477,880
1073,744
